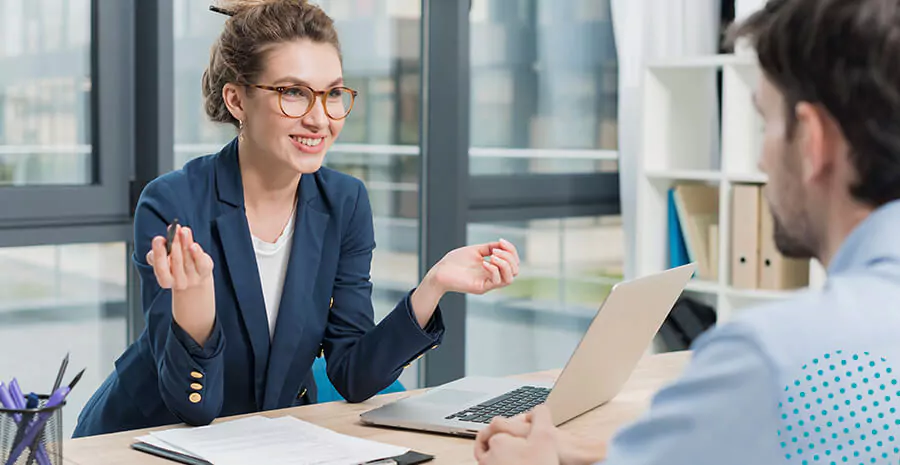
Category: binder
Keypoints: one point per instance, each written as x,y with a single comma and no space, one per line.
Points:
714,252
777,272
745,236
678,254
698,208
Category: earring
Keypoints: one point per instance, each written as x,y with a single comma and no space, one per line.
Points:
241,130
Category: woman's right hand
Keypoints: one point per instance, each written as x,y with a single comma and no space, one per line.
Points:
187,271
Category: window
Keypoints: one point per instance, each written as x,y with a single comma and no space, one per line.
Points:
544,87
65,153
45,133
60,299
544,103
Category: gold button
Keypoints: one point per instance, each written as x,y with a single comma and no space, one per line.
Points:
194,398
196,375
434,347
331,304
303,392
196,386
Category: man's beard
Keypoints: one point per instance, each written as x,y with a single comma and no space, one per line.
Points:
800,244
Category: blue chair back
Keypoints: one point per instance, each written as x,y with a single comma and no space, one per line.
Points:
327,392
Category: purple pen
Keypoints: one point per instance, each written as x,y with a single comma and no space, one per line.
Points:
7,401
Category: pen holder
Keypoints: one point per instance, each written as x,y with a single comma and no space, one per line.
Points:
32,436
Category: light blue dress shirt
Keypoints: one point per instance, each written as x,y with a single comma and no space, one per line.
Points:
812,379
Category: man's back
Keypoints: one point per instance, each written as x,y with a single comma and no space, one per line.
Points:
814,378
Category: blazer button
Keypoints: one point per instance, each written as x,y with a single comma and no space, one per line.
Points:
194,398
302,393
196,386
196,375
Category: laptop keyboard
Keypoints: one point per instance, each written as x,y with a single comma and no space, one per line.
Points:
507,405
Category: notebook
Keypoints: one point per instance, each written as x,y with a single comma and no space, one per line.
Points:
277,441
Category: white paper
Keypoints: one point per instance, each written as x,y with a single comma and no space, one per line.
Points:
285,440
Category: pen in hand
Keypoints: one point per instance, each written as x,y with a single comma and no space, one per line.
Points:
170,235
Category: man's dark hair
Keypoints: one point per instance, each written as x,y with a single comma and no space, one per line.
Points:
844,56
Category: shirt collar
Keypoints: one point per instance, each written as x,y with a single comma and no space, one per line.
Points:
874,239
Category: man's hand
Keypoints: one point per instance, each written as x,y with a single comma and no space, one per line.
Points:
570,449
538,447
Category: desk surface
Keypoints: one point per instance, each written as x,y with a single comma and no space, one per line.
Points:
652,373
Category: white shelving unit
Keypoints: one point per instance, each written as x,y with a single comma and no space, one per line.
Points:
682,141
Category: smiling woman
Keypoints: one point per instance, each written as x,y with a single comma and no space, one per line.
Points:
269,261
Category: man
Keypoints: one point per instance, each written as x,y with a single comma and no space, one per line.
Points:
813,379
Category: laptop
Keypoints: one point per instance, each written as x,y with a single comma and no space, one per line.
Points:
614,343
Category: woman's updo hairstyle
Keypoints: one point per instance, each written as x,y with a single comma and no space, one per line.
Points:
254,26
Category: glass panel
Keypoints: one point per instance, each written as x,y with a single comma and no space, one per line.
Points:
568,266
380,46
45,92
58,299
544,76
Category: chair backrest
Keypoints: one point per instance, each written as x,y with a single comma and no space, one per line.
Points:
327,392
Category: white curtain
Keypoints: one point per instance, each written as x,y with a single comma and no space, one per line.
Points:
646,30
743,8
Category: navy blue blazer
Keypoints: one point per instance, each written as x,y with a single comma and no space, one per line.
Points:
165,377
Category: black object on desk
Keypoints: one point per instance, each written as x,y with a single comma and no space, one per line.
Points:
169,454
409,458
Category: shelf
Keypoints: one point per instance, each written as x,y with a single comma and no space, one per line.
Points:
706,287
762,294
685,175
706,175
749,178
690,134
708,61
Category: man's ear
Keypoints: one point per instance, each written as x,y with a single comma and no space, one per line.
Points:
812,136
234,97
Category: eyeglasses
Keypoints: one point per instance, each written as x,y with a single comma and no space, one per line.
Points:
297,101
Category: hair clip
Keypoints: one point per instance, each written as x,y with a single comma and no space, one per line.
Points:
221,10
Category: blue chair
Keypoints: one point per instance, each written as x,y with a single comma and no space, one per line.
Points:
327,392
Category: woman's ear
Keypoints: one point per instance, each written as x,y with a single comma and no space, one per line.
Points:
235,98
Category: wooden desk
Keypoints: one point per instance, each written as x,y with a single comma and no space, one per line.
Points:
599,424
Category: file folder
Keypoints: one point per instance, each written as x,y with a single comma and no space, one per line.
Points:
745,236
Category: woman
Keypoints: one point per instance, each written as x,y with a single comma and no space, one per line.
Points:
269,262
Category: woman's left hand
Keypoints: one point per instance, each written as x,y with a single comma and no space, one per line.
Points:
473,269
477,269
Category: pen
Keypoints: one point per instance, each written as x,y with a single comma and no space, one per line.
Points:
40,439
61,372
170,235
18,399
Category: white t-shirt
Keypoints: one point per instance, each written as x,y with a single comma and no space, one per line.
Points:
272,261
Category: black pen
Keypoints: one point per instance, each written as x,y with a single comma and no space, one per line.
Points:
170,235
60,373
